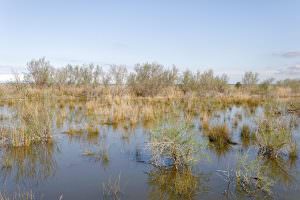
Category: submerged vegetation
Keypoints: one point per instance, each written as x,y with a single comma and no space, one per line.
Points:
18,196
112,189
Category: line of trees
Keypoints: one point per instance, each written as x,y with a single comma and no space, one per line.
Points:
146,79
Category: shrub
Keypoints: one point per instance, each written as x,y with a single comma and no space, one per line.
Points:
203,82
250,177
274,135
187,82
149,79
265,86
238,85
294,84
173,144
118,74
250,79
40,72
208,82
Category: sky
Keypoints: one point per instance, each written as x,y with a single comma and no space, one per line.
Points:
232,36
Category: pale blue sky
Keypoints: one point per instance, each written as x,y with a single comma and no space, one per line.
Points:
231,36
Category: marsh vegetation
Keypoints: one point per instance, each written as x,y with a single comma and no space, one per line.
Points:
171,134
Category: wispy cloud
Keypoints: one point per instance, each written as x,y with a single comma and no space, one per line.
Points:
290,70
289,54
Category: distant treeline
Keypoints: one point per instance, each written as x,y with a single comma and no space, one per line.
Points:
147,79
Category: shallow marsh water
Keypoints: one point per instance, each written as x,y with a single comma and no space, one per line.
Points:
76,166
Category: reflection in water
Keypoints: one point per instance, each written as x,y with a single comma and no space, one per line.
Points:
278,169
104,153
256,178
219,150
92,135
173,184
35,162
127,134
101,144
100,155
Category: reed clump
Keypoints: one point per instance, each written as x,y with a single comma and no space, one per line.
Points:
33,123
219,134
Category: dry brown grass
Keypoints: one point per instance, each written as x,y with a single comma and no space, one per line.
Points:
218,134
204,119
32,124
